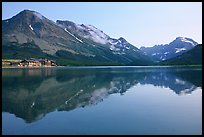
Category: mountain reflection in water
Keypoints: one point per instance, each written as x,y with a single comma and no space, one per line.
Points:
32,93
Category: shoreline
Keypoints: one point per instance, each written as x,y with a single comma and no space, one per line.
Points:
156,66
30,67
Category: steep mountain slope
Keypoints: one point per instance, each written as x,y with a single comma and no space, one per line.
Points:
171,50
29,34
191,57
95,38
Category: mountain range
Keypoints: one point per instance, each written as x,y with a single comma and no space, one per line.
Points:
31,35
167,51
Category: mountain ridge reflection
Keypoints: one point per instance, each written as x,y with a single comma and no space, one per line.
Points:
32,93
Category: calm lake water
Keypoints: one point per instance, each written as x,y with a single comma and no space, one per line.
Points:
102,100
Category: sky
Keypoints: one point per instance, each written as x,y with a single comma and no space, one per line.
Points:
140,23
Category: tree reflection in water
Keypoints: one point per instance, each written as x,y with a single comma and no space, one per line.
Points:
32,93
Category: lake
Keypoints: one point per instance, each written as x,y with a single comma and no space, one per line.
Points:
102,101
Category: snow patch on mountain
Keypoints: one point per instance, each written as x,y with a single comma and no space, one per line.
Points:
112,47
134,50
73,35
113,41
33,104
179,49
98,32
183,39
127,47
31,27
155,54
94,34
97,38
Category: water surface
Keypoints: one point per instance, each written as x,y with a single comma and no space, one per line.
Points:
102,100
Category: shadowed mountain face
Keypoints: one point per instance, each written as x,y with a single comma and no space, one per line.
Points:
193,56
32,93
29,34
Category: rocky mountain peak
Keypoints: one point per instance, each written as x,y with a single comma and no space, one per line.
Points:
122,40
185,40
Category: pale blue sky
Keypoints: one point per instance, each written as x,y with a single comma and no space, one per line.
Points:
140,23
